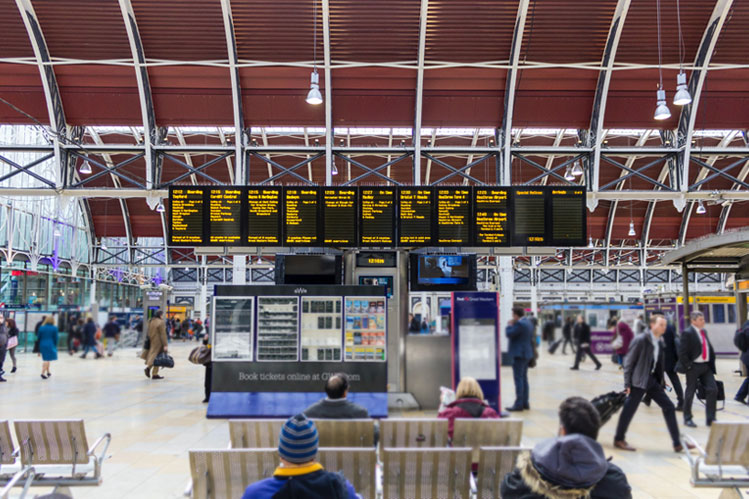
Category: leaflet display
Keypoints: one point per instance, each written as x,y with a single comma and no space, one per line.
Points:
301,216
339,217
264,216
377,217
491,216
321,328
414,216
224,216
232,328
366,323
453,216
277,328
529,217
186,216
568,216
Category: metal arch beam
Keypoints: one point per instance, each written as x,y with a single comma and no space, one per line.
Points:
144,87
236,94
52,96
505,133
688,114
328,94
668,167
550,159
726,211
595,135
416,135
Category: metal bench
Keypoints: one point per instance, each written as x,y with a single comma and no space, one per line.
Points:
9,462
494,464
254,433
27,475
357,464
724,462
474,433
413,432
59,452
439,473
217,474
345,432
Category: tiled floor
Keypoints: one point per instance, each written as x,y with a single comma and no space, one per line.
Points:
154,423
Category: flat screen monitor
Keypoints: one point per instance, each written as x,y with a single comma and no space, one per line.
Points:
309,269
442,272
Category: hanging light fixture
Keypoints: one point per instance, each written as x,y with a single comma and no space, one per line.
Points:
314,96
577,169
103,245
590,242
701,208
661,110
682,97
632,232
333,168
160,207
85,168
568,175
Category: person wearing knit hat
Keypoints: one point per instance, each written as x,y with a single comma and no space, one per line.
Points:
299,476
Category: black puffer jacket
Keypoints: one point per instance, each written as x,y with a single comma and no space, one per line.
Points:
569,467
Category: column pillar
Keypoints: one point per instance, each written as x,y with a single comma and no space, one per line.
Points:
506,296
239,274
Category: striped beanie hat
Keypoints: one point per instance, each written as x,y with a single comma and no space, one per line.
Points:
298,440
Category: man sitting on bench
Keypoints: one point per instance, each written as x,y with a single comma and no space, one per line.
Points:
336,405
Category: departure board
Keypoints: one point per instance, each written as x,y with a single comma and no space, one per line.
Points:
529,216
415,216
301,215
453,216
264,216
377,219
339,216
224,215
568,221
186,216
491,220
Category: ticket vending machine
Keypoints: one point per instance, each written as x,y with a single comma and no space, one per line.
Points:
153,300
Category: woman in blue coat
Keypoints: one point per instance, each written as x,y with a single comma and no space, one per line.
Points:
48,344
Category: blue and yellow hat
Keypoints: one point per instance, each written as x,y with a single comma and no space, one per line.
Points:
298,440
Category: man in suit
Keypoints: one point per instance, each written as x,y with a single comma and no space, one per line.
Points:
697,361
672,356
582,337
520,333
643,375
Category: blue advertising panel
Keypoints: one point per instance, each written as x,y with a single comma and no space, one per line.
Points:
475,342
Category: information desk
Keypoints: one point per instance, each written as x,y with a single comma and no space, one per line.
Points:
275,346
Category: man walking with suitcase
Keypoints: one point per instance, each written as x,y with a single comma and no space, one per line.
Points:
697,361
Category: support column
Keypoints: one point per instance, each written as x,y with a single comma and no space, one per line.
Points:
92,294
685,293
239,269
506,295
203,281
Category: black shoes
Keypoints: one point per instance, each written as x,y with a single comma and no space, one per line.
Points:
680,406
13,370
156,376
598,367
205,401
740,401
44,377
514,409
690,423
574,368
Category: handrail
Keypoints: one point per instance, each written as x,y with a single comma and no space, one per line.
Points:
99,461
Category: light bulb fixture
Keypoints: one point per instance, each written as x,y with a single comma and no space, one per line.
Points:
314,96
160,208
333,168
661,110
568,176
577,169
701,208
590,242
632,232
682,97
103,245
85,168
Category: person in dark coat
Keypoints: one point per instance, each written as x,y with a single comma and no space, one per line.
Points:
547,332
48,337
89,338
111,334
697,361
582,338
12,333
520,333
336,405
469,403
672,357
571,465
567,335
743,393
3,346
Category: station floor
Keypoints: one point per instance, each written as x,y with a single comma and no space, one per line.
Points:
154,423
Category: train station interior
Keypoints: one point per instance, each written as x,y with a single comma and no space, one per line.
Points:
438,249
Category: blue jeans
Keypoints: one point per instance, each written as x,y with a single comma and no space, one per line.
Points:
520,375
86,349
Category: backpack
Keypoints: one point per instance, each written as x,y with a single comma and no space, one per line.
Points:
741,338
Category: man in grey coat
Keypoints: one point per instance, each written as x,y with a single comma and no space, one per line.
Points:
336,405
643,375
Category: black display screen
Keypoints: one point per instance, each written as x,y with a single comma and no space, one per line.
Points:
264,216
186,216
491,216
301,216
224,215
377,216
339,216
568,220
453,216
415,216
529,216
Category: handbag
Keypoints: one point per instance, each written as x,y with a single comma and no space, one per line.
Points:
617,343
200,355
164,360
12,342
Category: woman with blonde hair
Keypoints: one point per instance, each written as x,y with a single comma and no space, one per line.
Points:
469,403
48,336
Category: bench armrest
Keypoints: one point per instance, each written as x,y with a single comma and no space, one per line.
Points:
188,489
28,473
99,460
692,459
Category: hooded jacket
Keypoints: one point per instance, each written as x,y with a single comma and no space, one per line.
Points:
569,467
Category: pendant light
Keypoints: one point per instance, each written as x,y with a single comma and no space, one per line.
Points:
85,168
661,110
160,207
577,169
103,245
701,210
682,97
569,176
314,96
632,232
590,242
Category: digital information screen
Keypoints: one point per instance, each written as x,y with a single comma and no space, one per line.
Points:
415,216
186,216
301,214
453,216
264,216
377,219
529,217
339,217
224,215
568,220
491,221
